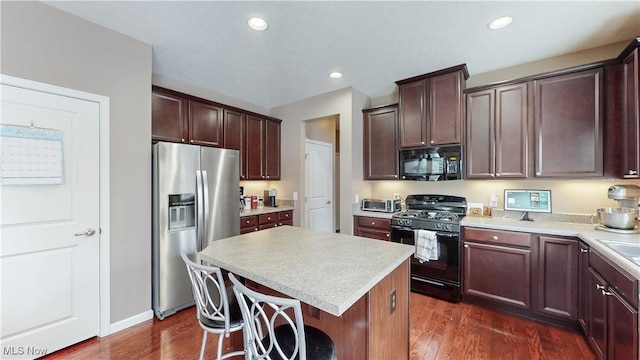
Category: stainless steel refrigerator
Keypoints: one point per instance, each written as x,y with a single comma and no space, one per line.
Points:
195,201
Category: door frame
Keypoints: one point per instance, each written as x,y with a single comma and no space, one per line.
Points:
306,178
104,206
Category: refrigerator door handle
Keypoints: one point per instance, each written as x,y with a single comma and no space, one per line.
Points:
205,212
199,211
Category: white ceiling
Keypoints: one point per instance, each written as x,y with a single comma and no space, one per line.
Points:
208,44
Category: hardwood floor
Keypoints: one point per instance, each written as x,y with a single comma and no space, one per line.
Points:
439,330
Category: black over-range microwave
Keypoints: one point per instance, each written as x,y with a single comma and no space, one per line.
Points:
431,164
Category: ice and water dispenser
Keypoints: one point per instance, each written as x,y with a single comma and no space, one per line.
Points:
182,211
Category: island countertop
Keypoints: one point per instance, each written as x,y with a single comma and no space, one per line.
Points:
325,270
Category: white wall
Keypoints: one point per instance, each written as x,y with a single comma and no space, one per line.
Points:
46,45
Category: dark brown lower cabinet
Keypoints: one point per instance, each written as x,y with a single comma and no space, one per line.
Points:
530,275
372,227
253,223
498,273
557,293
583,287
612,312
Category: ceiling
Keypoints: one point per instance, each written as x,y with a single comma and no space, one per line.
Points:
209,45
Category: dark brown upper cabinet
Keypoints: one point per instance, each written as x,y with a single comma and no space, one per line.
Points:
169,116
430,108
178,118
568,125
263,148
381,143
235,136
631,112
205,124
497,133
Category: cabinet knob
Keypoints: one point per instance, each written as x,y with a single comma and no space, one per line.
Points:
584,250
182,140
373,223
267,176
432,141
538,173
493,175
494,237
192,141
466,246
498,175
599,287
633,172
606,293
247,221
422,142
387,235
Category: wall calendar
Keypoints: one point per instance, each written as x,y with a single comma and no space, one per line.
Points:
30,155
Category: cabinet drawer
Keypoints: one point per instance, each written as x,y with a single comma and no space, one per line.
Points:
497,237
248,221
285,215
268,218
376,223
624,283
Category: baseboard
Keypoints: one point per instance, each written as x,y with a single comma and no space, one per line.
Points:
134,320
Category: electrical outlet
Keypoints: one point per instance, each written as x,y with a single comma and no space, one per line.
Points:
392,301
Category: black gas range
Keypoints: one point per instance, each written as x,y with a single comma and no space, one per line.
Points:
439,216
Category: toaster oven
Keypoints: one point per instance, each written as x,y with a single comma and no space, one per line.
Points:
380,205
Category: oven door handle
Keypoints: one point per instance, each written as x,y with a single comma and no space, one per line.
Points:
437,233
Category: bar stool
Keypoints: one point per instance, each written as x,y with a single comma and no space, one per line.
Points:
286,337
217,309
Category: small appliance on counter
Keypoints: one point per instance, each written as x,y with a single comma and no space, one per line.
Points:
624,218
270,198
380,205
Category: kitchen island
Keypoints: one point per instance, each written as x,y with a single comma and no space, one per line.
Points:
354,289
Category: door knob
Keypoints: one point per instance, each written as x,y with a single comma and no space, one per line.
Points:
87,232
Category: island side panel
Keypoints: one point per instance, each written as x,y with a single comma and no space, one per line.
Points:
389,331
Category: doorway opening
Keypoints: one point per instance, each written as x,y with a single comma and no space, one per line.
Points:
325,130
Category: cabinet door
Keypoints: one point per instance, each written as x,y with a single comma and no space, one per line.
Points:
498,273
445,109
381,144
622,328
597,314
255,156
568,125
235,136
272,149
631,115
205,124
583,289
168,116
511,132
557,282
480,135
413,126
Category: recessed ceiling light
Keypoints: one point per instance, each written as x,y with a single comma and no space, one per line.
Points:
500,22
335,75
258,24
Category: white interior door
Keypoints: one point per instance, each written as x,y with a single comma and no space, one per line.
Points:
318,185
49,252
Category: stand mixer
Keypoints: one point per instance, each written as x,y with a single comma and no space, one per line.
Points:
626,195
623,218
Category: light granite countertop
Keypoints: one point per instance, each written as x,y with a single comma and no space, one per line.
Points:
586,232
264,210
326,270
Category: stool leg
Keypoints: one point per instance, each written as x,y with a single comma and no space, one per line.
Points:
220,339
204,344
